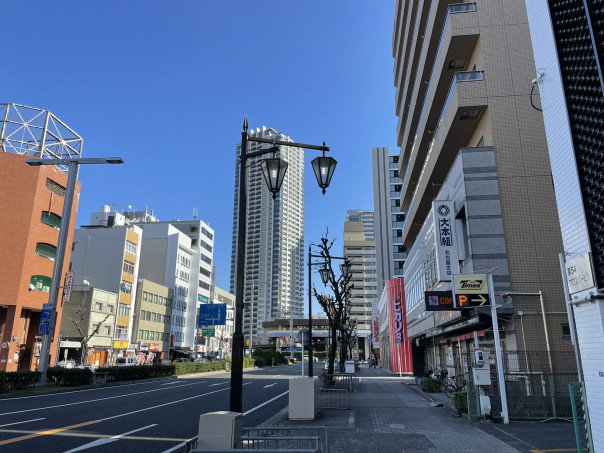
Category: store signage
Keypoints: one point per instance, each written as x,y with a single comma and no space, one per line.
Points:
375,325
446,246
68,286
397,314
439,300
120,344
579,275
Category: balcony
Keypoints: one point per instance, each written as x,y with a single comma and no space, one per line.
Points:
464,106
456,44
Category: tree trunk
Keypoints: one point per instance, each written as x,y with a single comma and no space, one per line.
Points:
332,349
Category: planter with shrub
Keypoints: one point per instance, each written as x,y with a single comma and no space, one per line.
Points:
460,401
430,385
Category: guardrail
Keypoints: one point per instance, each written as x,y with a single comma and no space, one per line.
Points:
338,381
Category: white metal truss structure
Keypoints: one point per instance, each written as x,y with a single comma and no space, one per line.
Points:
35,132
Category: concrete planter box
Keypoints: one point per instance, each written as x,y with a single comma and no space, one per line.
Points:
303,398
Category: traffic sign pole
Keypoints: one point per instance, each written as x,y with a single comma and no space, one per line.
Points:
500,378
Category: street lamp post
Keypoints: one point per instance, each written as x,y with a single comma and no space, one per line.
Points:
72,177
273,170
324,272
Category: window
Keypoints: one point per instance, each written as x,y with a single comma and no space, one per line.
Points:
109,308
40,283
48,251
126,287
204,285
156,298
140,334
123,310
53,220
205,272
206,246
55,187
144,295
131,247
107,330
128,267
98,306
205,259
207,234
565,330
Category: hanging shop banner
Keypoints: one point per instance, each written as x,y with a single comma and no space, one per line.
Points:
400,346
446,245
375,325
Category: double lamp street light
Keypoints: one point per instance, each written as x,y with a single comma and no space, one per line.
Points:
274,170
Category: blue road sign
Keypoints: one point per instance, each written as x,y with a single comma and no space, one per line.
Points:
212,315
46,314
397,341
44,328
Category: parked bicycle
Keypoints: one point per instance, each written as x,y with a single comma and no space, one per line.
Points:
425,374
454,384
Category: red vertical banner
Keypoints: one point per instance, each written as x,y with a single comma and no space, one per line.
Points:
400,346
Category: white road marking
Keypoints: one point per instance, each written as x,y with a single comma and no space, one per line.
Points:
270,385
167,404
98,399
220,383
86,390
174,448
175,381
108,440
24,421
265,403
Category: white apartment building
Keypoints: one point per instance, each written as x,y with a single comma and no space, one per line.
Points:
106,255
274,259
388,218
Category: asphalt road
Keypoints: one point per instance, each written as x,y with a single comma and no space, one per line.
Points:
140,416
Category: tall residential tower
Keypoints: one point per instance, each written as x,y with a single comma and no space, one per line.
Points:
274,259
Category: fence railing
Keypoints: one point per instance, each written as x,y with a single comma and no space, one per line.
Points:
298,439
339,381
530,396
333,398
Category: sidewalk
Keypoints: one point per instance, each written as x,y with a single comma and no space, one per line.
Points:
387,415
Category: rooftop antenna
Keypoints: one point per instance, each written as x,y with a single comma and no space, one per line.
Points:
195,213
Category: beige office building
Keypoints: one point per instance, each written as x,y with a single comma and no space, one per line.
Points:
470,133
152,318
360,250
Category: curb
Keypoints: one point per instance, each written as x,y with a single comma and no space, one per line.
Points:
436,400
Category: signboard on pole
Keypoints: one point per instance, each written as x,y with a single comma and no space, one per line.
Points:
45,317
68,286
212,315
470,290
208,332
446,245
375,326
579,274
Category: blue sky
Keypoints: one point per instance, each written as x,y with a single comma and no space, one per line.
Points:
166,85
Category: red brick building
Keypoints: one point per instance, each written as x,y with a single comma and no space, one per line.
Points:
31,202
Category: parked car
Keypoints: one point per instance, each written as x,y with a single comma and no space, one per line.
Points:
202,360
181,360
125,361
218,359
66,364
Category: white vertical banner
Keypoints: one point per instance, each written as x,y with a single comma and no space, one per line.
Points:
375,325
446,247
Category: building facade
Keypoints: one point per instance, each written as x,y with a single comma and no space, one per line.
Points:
32,203
571,90
89,316
274,259
152,324
388,218
361,253
108,258
470,137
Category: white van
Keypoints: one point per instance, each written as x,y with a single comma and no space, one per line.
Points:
125,361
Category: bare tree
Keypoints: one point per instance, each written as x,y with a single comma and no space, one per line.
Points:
335,306
348,326
222,336
78,317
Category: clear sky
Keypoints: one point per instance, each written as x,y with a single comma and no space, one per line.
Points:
166,86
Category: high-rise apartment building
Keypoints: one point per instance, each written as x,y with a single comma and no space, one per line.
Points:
471,138
274,259
359,248
571,87
388,218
